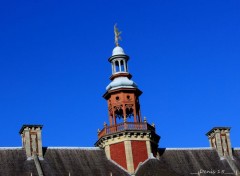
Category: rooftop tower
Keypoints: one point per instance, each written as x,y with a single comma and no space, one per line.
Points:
128,139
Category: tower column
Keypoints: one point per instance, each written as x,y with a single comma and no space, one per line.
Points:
135,113
114,118
110,120
125,67
124,113
113,67
139,117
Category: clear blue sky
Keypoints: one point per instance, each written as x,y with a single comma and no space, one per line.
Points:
185,57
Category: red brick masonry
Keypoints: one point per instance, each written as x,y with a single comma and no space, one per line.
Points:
117,152
139,151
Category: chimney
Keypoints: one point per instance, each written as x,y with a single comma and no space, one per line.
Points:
32,140
219,138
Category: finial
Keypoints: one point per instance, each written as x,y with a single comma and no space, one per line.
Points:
98,131
104,124
153,125
117,35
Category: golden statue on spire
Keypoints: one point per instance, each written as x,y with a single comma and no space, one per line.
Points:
117,35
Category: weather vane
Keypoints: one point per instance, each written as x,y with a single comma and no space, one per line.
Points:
117,35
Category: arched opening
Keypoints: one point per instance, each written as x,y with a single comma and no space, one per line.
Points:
122,66
129,114
117,67
119,115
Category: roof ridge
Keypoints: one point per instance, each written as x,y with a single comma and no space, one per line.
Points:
190,148
10,148
69,148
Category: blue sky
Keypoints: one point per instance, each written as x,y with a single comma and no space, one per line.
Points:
184,56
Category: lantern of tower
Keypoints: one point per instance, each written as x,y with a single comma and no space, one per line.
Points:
122,93
128,140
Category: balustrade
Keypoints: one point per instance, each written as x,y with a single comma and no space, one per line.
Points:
125,126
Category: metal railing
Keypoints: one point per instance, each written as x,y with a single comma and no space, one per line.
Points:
125,126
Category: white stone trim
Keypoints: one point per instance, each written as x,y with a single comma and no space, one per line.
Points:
11,148
129,156
197,148
71,148
148,147
107,151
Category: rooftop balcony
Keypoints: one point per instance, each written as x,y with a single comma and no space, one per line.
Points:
131,126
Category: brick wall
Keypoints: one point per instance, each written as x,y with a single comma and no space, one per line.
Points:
117,152
139,151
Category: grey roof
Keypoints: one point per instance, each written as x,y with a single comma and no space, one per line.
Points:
184,162
154,167
93,162
236,157
193,160
13,162
59,162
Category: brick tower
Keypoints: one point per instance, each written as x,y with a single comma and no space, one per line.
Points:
127,140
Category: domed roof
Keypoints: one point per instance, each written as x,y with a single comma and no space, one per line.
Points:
121,82
117,51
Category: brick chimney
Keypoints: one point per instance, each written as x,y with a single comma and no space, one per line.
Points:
32,140
219,138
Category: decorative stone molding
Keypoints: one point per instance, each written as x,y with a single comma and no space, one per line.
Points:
135,146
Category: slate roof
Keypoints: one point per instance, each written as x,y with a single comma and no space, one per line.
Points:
59,162
13,162
154,167
93,162
236,157
185,162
